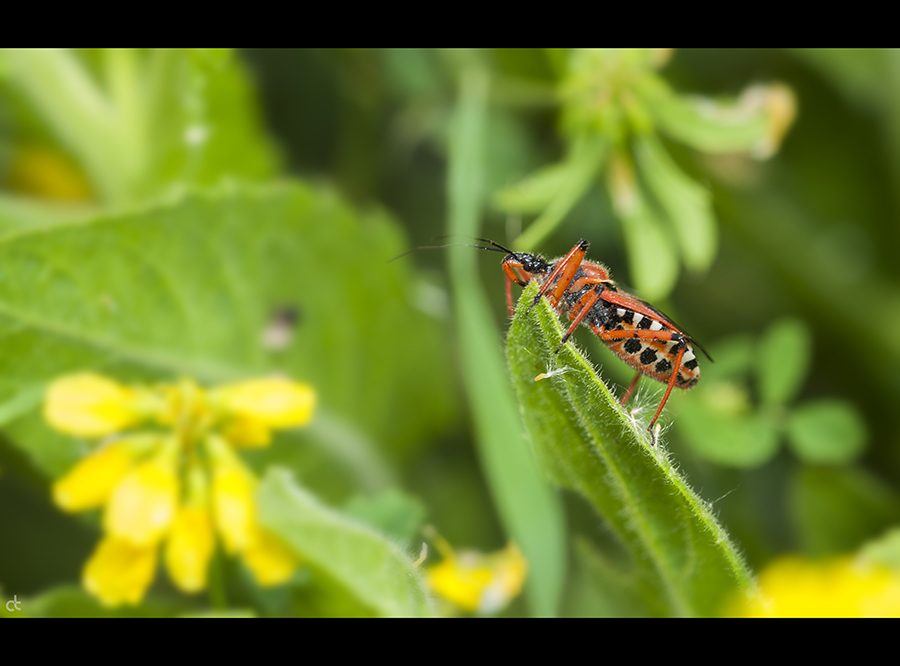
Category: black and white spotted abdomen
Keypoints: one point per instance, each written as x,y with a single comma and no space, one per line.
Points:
655,357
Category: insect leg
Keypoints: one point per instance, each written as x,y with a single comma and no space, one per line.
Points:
669,388
630,389
588,301
513,274
565,269
652,335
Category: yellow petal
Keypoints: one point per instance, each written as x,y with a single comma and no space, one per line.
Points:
89,405
460,582
190,547
44,173
246,433
119,572
275,402
795,587
509,569
91,481
478,582
270,561
143,505
234,507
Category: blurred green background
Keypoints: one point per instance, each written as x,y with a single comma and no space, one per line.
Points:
216,194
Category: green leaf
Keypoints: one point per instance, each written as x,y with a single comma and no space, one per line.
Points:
391,512
687,204
189,287
528,508
582,165
74,602
600,588
721,436
734,357
707,125
585,442
18,212
783,361
826,432
142,122
367,564
535,192
651,256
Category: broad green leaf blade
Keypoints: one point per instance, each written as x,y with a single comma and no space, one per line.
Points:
600,588
528,508
587,443
190,287
18,212
370,566
391,512
687,204
65,601
784,353
826,432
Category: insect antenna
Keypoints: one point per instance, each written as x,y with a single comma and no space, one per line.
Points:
701,348
496,248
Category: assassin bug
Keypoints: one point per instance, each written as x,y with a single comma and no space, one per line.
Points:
635,331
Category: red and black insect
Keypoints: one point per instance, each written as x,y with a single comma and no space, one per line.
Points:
635,331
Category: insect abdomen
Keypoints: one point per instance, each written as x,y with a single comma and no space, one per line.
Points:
654,357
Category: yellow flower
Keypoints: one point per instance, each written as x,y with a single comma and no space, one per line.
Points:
90,484
270,561
89,405
137,478
234,506
254,407
143,505
846,587
475,581
119,572
46,173
189,548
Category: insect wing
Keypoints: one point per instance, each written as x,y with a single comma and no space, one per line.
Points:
653,349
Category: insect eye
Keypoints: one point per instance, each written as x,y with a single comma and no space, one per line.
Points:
534,265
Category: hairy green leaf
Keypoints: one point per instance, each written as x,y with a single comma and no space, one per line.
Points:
391,512
585,442
372,568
